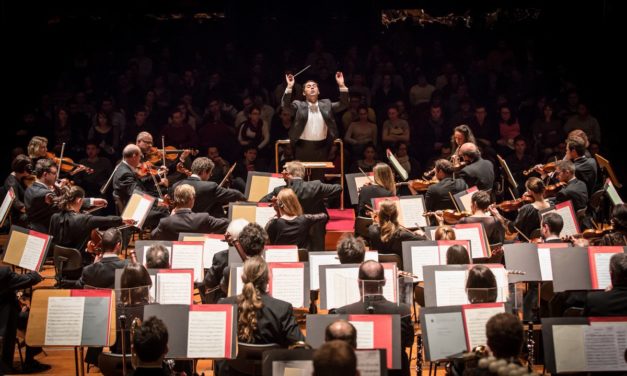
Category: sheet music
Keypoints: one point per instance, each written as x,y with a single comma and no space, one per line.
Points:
391,280
239,285
467,200
141,210
412,210
153,289
423,256
206,336
188,256
368,363
32,252
445,334
450,288
275,182
569,348
601,344
602,265
544,258
263,215
64,321
281,254
288,285
6,204
314,267
360,181
211,247
474,322
342,287
365,334
371,255
472,234
500,274
174,288
570,226
620,331
613,193
292,367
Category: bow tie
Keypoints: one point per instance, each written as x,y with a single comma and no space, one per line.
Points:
313,108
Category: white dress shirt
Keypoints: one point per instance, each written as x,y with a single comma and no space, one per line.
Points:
315,129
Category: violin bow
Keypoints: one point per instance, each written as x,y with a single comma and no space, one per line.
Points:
163,149
60,160
228,174
366,175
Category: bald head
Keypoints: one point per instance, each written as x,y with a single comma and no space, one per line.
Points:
371,271
469,151
342,330
130,150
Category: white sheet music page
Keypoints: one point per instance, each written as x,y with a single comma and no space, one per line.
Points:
64,321
211,247
263,215
275,182
314,267
569,348
619,338
500,274
412,210
32,252
474,235
445,335
360,181
423,256
239,285
6,204
602,265
601,349
391,284
544,258
474,323
342,287
188,256
206,334
174,288
365,334
450,287
368,362
288,285
371,255
281,254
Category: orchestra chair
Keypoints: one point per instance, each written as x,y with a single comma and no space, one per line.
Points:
249,357
581,216
68,266
361,226
391,257
110,364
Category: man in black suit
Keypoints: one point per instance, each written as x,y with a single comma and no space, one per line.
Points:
550,228
478,171
39,197
22,167
183,219
314,127
102,272
438,196
614,301
371,282
575,190
586,168
311,195
13,318
209,195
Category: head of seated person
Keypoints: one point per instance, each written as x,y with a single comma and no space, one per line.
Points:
335,358
618,270
150,343
504,333
135,283
255,279
371,278
444,232
235,227
341,330
552,225
351,250
184,196
288,203
253,239
111,241
480,200
457,255
388,219
157,257
481,285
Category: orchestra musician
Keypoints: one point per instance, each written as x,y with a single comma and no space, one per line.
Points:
145,143
210,197
386,234
183,219
618,235
478,171
528,217
39,197
586,168
382,186
551,227
311,195
438,196
461,135
102,272
479,204
575,190
21,170
37,148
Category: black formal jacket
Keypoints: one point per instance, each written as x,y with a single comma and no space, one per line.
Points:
607,303
311,194
210,197
18,188
438,197
576,191
38,211
301,111
293,231
275,322
479,173
586,171
367,193
215,277
184,220
125,181
72,229
102,273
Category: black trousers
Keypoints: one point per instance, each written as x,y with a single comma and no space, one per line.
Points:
312,151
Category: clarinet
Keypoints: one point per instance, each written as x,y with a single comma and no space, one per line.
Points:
530,345
419,355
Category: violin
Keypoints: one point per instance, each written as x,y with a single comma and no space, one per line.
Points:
238,246
450,216
511,205
181,168
147,168
551,190
94,245
593,233
419,185
548,167
67,165
155,154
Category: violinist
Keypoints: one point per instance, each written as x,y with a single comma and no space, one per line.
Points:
585,167
480,202
21,166
382,186
528,218
438,196
70,227
575,190
386,234
210,197
101,273
461,135
478,171
618,235
101,166
37,148
145,143
40,196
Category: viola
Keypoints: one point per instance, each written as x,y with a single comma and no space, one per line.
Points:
548,167
592,233
155,154
146,168
551,190
94,245
511,205
419,185
67,164
181,168
450,216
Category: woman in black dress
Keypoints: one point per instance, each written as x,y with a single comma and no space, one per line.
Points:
386,234
383,186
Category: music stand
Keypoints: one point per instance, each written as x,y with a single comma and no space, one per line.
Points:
607,169
507,172
397,166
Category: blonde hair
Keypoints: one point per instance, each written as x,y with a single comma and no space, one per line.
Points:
388,219
384,177
184,194
444,233
288,202
35,143
255,278
295,168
